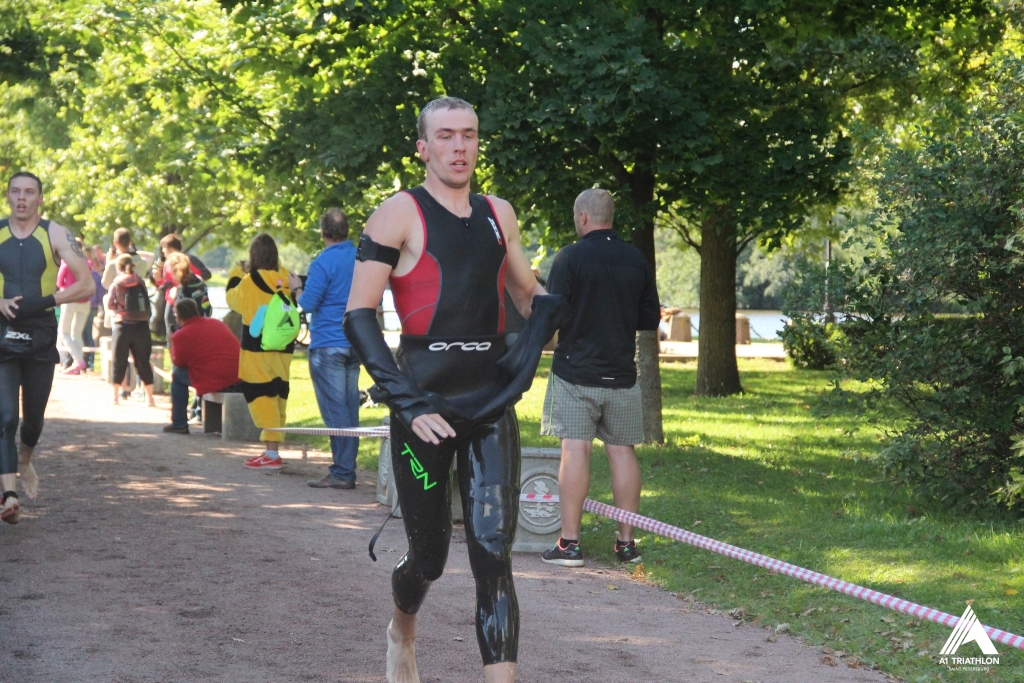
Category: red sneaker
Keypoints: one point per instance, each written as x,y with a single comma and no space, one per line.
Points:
264,463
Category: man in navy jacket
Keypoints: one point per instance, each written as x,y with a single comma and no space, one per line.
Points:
592,390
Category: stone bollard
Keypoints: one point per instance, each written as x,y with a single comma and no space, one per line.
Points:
679,328
156,358
742,329
236,421
106,360
540,523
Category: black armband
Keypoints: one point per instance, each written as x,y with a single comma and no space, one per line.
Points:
371,251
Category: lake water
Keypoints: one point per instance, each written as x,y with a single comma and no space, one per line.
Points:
764,325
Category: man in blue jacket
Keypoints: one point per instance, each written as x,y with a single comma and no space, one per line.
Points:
333,366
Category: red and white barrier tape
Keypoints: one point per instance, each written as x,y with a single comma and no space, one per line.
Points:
696,540
367,432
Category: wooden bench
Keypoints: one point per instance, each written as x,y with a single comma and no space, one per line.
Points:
228,413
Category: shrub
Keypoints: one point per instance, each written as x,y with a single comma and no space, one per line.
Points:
930,319
810,343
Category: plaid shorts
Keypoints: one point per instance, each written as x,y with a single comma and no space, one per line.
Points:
572,411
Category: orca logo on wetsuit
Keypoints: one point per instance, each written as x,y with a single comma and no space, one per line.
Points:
465,346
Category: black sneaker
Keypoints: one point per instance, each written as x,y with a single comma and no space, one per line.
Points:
568,555
175,429
626,551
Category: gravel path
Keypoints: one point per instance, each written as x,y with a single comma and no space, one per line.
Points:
152,557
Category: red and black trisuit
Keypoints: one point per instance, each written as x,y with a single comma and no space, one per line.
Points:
451,305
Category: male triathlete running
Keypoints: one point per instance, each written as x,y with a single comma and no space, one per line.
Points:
31,249
449,256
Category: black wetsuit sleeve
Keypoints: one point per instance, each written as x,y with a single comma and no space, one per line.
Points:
392,388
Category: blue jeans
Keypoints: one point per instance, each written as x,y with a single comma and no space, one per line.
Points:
179,397
335,374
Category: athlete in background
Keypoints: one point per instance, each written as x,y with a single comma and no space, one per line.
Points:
31,249
449,256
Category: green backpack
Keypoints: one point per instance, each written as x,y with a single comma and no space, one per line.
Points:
279,321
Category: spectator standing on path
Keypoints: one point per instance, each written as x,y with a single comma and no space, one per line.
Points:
264,374
592,390
30,250
123,244
205,356
129,305
333,366
74,316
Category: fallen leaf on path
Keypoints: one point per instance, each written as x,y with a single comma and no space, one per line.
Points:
782,628
612,587
828,660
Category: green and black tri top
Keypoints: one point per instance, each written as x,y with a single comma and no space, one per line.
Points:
28,267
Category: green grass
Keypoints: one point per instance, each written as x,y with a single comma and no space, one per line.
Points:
762,471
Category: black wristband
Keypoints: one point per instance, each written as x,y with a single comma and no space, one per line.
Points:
35,304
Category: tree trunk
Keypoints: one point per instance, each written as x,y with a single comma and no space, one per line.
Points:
717,373
648,374
648,371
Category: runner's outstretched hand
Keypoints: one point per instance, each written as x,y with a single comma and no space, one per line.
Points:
430,427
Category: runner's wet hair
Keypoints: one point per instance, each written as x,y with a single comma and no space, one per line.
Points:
334,225
26,174
263,253
439,103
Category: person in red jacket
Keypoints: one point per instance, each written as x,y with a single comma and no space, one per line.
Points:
205,356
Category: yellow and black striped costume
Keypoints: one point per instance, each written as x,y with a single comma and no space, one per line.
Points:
264,374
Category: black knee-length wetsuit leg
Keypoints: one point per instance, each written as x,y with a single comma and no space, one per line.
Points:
488,459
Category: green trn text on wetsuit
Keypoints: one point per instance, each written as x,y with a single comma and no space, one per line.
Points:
417,469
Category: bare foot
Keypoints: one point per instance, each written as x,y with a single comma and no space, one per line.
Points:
11,513
401,659
29,480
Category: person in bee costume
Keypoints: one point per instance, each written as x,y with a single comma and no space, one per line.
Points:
263,373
